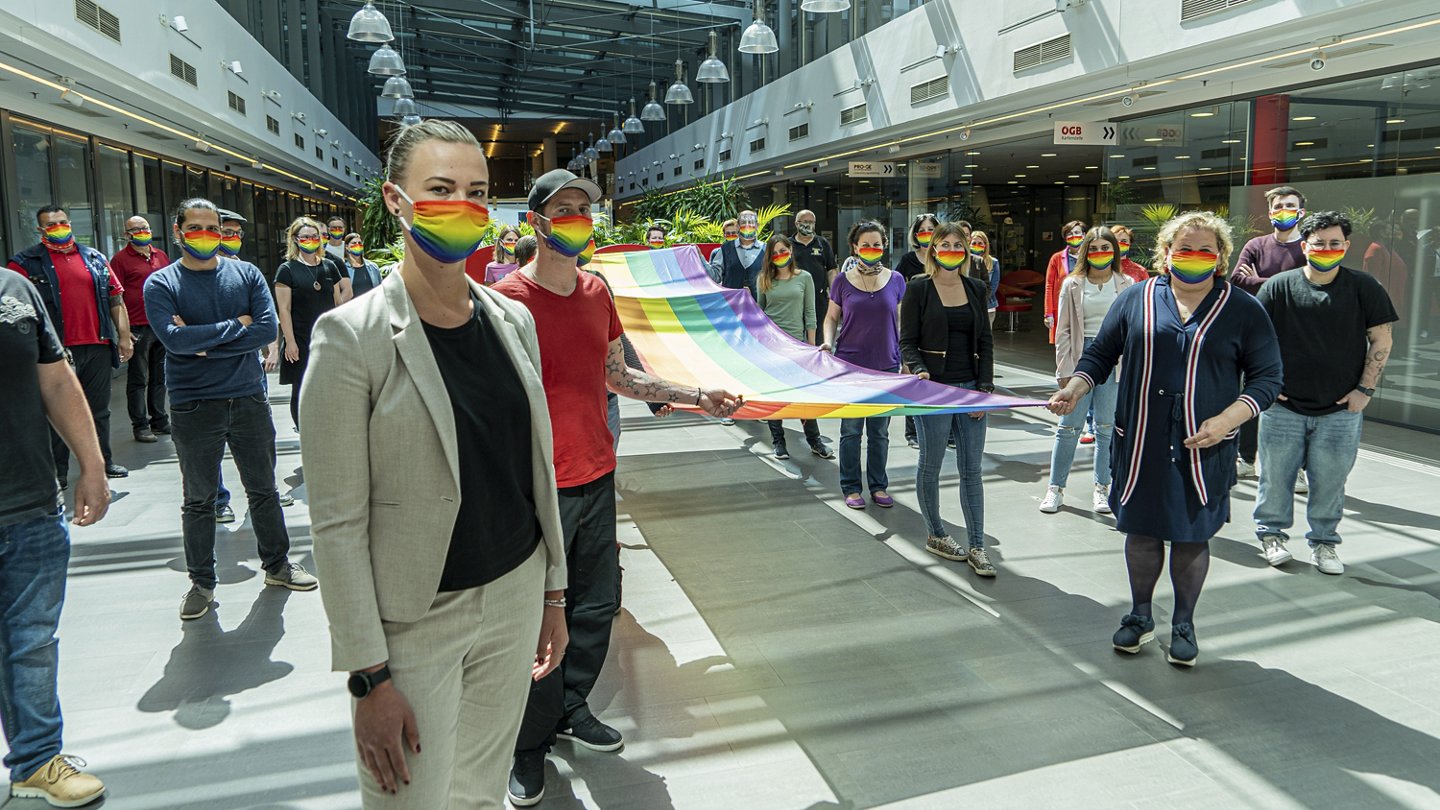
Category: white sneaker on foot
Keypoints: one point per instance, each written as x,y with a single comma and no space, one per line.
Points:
1102,499
1054,497
1325,558
1272,548
1244,469
1302,483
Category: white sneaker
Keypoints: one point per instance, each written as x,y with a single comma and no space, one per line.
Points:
1302,483
1102,499
1244,469
1326,559
727,421
1050,504
1272,548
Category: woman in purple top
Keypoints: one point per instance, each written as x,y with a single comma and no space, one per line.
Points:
505,261
865,309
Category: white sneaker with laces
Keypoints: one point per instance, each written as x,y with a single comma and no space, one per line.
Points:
1244,469
1302,483
1326,559
1272,548
1102,499
1054,497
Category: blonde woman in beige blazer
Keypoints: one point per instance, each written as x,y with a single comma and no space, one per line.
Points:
432,497
1086,295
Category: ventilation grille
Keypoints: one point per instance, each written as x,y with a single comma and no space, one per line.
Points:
1053,50
757,145
237,103
851,115
90,13
273,125
182,70
924,91
1190,9
798,132
319,154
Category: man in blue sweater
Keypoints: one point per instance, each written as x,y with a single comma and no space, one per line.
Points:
213,316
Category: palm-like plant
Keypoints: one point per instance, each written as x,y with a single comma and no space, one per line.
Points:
377,226
1157,214
768,214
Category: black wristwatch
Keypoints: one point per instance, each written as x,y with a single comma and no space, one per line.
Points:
363,683
1369,392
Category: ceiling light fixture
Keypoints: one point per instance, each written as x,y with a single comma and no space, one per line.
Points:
712,70
369,25
633,125
397,87
653,111
616,134
404,107
759,38
679,92
386,61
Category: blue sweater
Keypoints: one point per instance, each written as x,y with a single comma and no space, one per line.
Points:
210,303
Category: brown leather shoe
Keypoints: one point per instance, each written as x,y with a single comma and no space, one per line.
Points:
61,783
145,435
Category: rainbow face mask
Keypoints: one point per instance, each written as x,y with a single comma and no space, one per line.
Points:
1100,259
1284,219
924,238
59,235
1324,260
568,235
1074,241
950,259
870,256
731,237
308,245
781,258
586,254
1124,249
447,231
508,248
230,245
142,238
656,244
748,232
1193,266
202,245
337,233
355,250
978,251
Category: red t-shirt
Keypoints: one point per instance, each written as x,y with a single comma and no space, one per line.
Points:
575,333
77,298
132,268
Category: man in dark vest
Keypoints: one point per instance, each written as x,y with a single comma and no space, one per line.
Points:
738,263
86,304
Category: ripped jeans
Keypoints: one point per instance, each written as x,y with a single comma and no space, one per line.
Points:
1067,435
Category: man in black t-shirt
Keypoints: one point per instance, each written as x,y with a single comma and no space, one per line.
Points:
814,255
1334,326
40,390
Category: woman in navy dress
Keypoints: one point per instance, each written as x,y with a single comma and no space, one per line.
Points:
1188,339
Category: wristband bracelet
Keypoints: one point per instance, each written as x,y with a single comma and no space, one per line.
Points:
560,603
698,395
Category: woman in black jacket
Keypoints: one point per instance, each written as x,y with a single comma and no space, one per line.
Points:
945,337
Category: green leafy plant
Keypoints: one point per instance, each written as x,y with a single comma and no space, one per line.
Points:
1157,214
377,226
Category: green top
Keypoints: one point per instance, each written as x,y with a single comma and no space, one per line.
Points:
791,304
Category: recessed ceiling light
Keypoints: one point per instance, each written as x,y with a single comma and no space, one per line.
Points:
1182,157
1394,120
1019,175
967,175
972,165
809,181
1149,168
1091,168
1032,167
1153,140
1104,182
1202,114
1123,177
1047,154
1304,143
1059,182
1013,182
1204,168
972,153
1077,177
1231,140
1117,156
1303,118
1369,146
1306,160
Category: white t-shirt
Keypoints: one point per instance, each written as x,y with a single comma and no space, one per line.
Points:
1097,301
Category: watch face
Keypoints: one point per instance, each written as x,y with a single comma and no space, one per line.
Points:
359,685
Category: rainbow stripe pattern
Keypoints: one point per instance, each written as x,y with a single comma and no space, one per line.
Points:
1100,259
59,234
951,259
141,238
1283,219
571,234
1193,265
203,245
870,255
690,330
449,230
587,254
924,238
1074,241
1325,260
230,245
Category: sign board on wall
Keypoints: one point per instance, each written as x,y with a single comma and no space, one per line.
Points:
1154,134
928,169
1084,133
870,169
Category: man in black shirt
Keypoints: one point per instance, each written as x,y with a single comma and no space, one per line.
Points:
1334,326
40,390
814,255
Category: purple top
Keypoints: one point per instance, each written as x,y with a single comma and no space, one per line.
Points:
1269,257
869,323
494,271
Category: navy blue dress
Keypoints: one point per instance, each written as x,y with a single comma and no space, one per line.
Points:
1177,375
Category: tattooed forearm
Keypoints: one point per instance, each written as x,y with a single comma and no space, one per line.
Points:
1377,355
636,384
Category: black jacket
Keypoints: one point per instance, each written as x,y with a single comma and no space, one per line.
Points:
925,332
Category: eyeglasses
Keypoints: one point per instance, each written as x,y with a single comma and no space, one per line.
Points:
1333,244
232,232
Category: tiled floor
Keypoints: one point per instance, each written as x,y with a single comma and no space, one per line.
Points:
777,650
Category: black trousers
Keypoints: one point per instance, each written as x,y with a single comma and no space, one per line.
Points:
1249,440
587,516
777,430
92,366
145,381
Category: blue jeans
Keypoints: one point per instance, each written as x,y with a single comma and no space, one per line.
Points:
33,558
934,433
1101,403
1326,447
877,428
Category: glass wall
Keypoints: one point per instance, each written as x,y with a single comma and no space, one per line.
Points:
29,164
116,193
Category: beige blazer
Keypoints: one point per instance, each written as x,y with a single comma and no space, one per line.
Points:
1070,322
381,465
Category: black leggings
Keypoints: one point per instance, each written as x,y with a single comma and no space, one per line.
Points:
1189,563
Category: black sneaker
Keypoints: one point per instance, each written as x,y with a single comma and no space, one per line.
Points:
594,735
1183,650
781,453
1134,632
163,430
224,514
822,450
113,470
527,779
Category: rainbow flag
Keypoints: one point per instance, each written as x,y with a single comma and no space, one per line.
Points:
688,329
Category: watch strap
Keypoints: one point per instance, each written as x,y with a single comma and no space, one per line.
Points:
363,683
1369,392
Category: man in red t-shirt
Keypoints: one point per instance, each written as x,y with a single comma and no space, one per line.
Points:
579,333
87,305
145,383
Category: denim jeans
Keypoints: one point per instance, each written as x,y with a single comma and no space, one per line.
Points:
33,558
202,428
1100,402
145,381
934,433
1326,447
877,429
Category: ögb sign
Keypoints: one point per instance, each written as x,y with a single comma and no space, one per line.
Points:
1084,133
868,169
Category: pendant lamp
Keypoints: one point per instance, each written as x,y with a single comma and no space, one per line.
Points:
758,38
386,61
652,111
397,87
712,70
679,93
369,25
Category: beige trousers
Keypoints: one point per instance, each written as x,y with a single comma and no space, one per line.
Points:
465,668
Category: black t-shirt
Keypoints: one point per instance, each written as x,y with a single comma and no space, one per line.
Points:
959,361
910,266
817,259
496,529
28,489
1322,334
312,293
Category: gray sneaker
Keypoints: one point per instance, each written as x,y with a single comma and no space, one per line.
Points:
945,547
1272,547
1325,558
980,561
292,576
196,602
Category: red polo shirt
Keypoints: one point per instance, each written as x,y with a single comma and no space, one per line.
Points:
77,298
132,268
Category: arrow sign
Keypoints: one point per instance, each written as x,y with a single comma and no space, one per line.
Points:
871,169
1084,133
